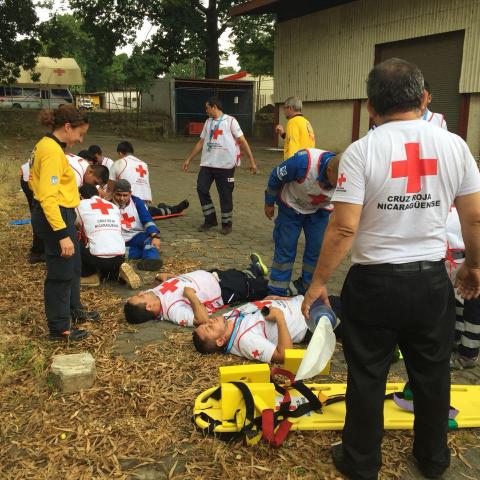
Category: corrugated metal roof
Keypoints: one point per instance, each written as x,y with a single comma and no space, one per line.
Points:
327,55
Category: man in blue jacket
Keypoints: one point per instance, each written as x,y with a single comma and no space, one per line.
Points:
141,235
302,187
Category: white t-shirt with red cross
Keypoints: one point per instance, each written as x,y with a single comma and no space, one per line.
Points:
437,119
130,221
79,166
136,172
406,175
100,224
220,149
107,162
176,308
257,338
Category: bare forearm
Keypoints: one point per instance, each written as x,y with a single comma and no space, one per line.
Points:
471,238
336,244
196,149
199,311
284,338
246,148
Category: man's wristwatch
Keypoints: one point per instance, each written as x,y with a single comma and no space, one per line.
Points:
155,235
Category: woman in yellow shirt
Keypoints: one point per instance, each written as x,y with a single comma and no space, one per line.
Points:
56,195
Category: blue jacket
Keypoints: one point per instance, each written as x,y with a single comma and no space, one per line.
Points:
144,215
292,169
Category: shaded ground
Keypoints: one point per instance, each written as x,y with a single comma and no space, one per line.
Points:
135,421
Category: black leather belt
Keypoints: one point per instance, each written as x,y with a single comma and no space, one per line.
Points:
405,267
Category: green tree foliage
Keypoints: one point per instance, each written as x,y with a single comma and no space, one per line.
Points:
253,39
185,29
18,44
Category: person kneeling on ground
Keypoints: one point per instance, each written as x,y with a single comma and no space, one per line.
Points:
247,333
102,247
141,235
189,299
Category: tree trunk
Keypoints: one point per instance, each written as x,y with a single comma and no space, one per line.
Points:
212,60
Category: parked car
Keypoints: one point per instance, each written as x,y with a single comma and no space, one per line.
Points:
31,97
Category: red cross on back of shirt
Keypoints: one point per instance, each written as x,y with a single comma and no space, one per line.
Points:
127,221
317,199
102,206
141,171
255,354
342,179
170,286
414,167
216,133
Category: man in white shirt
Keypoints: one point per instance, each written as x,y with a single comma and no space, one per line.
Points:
437,119
190,298
84,172
218,144
245,332
393,194
130,168
96,151
102,246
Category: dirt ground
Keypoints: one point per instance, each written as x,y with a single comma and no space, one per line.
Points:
135,422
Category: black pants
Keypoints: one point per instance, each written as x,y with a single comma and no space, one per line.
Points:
37,243
224,180
62,284
108,268
236,286
381,309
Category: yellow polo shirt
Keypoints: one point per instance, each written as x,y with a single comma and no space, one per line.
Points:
52,181
298,136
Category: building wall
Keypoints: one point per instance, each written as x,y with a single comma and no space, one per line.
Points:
158,98
473,133
336,132
327,55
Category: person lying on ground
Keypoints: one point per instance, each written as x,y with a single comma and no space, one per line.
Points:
245,332
141,235
189,299
102,246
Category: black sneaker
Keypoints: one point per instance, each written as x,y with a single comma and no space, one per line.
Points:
226,229
73,335
257,266
206,226
150,265
183,205
81,316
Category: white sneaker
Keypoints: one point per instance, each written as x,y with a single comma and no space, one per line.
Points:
128,274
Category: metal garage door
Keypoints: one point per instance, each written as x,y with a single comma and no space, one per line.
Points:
440,59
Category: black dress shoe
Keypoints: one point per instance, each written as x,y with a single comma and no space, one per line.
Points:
73,335
342,467
82,316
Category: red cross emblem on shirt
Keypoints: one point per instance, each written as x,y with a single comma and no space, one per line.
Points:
127,221
141,171
414,167
102,206
342,179
170,286
260,305
317,199
59,71
182,323
216,133
255,354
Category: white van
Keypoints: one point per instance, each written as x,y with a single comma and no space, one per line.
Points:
31,97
